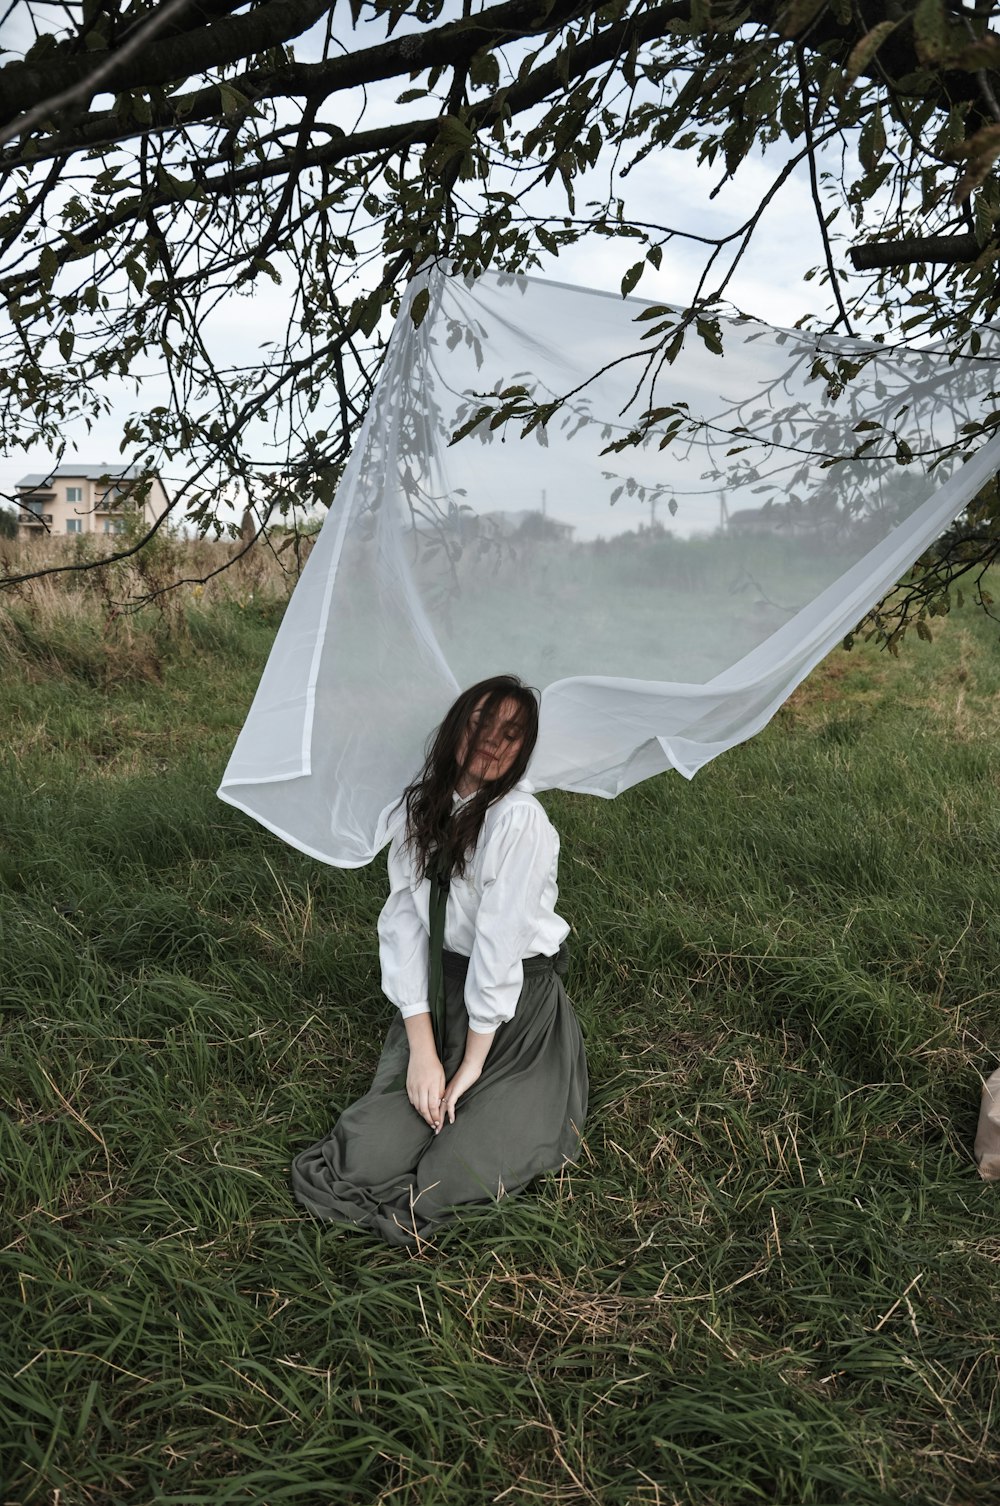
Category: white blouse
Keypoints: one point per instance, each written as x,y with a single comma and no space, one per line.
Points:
500,911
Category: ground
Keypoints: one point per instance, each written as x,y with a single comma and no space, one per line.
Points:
770,1278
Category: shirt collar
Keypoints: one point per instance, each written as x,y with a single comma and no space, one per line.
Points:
457,799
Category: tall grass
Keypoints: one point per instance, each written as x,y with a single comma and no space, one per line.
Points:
124,620
771,1277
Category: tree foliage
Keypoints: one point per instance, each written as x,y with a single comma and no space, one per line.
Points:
159,158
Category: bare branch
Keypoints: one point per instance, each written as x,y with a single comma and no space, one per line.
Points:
814,189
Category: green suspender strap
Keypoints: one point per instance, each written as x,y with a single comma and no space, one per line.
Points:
440,883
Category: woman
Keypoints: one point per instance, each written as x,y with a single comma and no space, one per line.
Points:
476,1103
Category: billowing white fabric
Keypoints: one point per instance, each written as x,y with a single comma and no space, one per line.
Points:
666,598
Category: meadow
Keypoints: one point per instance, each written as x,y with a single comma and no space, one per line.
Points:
773,1275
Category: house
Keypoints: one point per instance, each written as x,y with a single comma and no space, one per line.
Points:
74,499
793,519
529,525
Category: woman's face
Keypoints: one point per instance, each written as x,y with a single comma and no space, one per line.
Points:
494,745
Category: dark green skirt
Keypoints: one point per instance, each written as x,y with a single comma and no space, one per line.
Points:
382,1167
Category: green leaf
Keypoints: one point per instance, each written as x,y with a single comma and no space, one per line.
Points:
419,306
980,152
231,100
632,277
800,14
984,52
930,31
470,424
863,52
673,350
136,273
484,69
368,311
984,216
454,139
48,265
871,144
711,336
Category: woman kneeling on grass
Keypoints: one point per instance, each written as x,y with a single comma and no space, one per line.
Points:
486,1041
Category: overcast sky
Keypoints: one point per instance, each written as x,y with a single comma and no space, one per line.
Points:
668,188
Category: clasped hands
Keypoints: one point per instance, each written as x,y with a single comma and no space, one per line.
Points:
433,1098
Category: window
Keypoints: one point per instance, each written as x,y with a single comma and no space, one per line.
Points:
114,525
35,506
74,494
74,525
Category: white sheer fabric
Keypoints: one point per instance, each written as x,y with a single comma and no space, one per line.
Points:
666,597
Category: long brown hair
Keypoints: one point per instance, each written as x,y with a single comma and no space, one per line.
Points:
433,825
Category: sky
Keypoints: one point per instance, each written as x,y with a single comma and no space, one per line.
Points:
667,188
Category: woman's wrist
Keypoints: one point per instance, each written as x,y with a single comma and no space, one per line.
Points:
477,1048
420,1036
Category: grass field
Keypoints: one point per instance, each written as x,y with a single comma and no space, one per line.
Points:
773,1276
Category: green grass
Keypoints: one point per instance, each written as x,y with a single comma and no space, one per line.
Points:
772,1277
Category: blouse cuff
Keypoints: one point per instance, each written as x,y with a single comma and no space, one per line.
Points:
409,1010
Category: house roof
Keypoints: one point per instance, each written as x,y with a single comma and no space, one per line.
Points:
115,471
515,518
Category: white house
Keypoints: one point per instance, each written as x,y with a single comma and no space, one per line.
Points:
74,499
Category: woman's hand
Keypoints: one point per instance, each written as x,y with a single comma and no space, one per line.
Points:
425,1088
467,1074
477,1048
424,1073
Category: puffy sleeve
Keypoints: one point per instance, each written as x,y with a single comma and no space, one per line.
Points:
403,938
519,860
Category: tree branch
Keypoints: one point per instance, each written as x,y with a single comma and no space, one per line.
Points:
229,39
953,250
814,190
87,86
447,46
511,100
